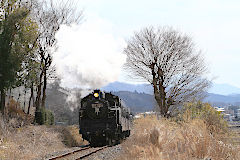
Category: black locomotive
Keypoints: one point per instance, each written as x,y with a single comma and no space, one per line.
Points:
103,119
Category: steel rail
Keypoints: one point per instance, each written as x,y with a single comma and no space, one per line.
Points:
69,153
86,155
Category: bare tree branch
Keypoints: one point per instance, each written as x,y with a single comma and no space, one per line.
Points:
50,15
169,61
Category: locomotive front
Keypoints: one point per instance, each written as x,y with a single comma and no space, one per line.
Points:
103,119
96,120
96,107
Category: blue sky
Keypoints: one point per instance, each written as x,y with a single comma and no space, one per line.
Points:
214,26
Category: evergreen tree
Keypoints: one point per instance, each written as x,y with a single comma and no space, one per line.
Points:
16,41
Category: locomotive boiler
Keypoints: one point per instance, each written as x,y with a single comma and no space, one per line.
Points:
104,119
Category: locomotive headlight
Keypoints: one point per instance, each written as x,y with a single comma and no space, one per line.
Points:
96,95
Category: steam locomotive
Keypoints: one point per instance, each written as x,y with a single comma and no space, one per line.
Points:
104,119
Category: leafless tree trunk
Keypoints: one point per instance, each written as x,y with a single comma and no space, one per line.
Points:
47,64
39,92
24,103
31,97
169,61
19,95
2,104
49,17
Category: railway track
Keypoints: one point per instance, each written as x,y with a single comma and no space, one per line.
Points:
79,153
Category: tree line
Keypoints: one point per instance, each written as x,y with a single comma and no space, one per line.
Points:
27,41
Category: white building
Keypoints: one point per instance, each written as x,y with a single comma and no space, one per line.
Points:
221,110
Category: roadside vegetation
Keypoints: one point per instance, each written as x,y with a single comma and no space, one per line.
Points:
20,139
35,141
213,120
197,133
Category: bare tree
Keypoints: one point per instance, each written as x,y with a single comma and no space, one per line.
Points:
50,16
169,61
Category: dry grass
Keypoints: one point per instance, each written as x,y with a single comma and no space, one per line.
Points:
164,139
213,120
15,116
234,136
4,132
31,142
70,136
21,140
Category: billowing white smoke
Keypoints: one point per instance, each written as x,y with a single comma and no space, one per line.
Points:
88,55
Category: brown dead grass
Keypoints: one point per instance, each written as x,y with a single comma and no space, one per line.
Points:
31,142
167,140
15,116
21,140
70,136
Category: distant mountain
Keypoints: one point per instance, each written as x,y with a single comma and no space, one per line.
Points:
141,102
222,100
222,89
119,86
235,95
137,102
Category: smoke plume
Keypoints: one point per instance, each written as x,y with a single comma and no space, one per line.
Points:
89,55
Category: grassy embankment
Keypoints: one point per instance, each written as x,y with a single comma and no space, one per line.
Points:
198,133
21,140
31,142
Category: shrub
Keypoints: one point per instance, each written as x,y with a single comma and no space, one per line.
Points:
15,115
204,111
44,116
14,110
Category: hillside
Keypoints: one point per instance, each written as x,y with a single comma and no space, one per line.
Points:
120,86
223,99
140,102
221,89
230,95
137,102
57,101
